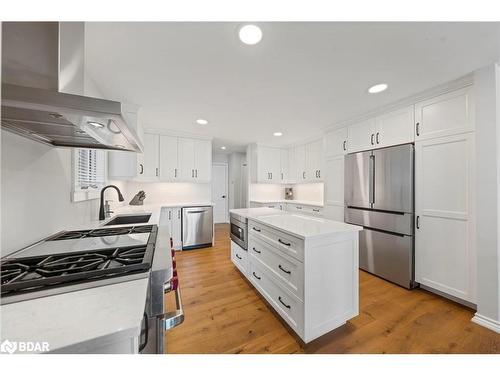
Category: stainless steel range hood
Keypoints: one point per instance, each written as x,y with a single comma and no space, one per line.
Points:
45,102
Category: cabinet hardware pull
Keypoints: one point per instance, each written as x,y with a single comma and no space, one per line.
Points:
156,172
283,303
319,173
343,146
315,210
283,242
418,129
257,251
192,172
284,270
282,176
169,215
377,138
371,139
303,175
256,229
178,214
298,207
418,222
237,256
175,172
254,275
142,169
196,173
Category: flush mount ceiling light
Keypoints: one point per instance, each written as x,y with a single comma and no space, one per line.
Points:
223,148
201,121
277,134
375,89
250,34
95,124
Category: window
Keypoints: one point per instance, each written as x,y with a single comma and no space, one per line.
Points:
89,168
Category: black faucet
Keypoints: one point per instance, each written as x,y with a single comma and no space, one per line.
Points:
102,214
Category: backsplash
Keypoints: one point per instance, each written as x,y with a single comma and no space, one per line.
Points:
163,192
308,192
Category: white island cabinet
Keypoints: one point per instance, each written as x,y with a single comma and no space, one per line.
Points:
306,268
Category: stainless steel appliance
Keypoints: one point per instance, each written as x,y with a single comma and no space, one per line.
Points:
197,227
75,260
379,195
43,90
239,230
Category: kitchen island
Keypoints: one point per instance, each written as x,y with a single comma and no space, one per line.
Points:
305,267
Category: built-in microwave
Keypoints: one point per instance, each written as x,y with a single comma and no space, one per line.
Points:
239,230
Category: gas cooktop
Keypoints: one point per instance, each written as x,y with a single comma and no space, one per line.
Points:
78,257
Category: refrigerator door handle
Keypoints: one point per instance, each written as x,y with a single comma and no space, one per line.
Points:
371,180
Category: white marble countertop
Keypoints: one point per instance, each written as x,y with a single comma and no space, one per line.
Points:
304,226
294,201
73,318
68,319
254,212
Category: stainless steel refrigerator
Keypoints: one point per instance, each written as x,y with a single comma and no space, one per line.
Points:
379,195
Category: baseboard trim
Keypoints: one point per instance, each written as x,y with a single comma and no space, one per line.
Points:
494,325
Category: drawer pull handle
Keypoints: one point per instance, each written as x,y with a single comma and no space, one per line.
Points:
257,251
237,256
283,242
284,270
315,210
283,303
256,229
254,275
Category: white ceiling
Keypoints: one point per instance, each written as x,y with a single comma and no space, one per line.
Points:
301,78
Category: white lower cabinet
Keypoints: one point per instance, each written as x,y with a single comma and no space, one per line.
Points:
311,283
173,218
444,207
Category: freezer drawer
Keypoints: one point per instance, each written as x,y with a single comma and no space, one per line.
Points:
197,227
387,255
400,223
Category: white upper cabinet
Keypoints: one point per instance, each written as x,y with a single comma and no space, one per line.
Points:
300,163
202,160
447,114
269,164
148,167
186,159
336,142
395,128
314,160
169,169
285,171
362,135
444,208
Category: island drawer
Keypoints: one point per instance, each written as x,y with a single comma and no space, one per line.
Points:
239,257
286,243
286,269
285,303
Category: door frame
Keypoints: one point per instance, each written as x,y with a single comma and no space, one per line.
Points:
226,166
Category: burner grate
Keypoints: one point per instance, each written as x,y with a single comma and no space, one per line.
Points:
102,232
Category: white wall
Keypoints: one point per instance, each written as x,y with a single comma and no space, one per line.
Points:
163,192
487,90
266,192
308,192
218,157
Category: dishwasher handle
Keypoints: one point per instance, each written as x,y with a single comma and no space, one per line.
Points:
197,212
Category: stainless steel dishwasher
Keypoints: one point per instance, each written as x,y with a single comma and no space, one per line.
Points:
197,227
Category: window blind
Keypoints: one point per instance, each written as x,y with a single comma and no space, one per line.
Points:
90,169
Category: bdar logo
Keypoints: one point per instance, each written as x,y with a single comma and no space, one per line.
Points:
8,347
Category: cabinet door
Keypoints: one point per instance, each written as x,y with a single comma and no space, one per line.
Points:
168,159
186,159
300,163
336,142
314,156
395,128
203,160
148,162
292,166
444,235
447,114
175,230
334,181
284,173
361,136
122,165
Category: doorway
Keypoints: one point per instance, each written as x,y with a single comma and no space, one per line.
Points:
219,192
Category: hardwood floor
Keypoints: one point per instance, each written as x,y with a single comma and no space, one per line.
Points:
224,314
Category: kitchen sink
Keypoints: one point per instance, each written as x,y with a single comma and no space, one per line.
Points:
129,219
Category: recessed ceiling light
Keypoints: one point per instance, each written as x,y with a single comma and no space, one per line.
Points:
223,148
250,34
95,124
202,121
375,89
277,134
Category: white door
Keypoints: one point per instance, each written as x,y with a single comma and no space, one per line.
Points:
395,128
219,192
362,135
444,196
169,170
186,159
